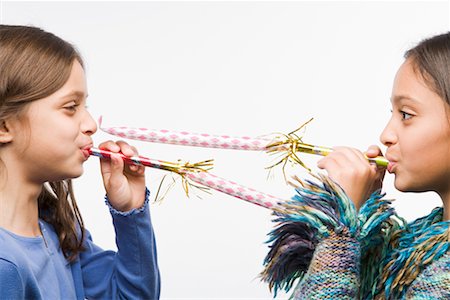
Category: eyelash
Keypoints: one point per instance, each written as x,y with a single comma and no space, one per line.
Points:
72,108
404,114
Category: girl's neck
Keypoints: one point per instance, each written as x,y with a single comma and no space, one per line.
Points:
446,203
446,214
19,207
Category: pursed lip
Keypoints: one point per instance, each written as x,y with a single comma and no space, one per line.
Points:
85,150
392,164
391,167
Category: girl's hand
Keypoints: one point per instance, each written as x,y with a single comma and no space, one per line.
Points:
353,172
124,184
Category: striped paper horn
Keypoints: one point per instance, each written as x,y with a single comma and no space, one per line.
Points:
285,145
198,173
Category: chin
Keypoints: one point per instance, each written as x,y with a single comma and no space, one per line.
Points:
401,186
74,173
408,187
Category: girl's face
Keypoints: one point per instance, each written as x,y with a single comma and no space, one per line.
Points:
418,135
53,147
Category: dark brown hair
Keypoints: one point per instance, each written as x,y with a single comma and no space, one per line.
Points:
34,64
431,57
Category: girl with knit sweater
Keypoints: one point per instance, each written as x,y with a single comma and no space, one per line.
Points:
45,133
340,239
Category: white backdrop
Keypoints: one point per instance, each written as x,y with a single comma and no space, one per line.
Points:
237,68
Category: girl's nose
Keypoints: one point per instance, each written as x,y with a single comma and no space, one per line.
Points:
88,124
388,136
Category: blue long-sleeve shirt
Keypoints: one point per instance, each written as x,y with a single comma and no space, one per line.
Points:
35,267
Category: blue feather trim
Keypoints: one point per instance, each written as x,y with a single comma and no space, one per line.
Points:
317,210
416,246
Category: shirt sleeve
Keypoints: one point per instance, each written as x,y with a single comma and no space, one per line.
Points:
317,244
11,286
130,273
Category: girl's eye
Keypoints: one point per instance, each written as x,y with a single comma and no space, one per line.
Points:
406,116
71,108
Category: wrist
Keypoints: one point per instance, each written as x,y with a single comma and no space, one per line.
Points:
357,196
128,206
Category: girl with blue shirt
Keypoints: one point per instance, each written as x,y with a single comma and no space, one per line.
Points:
45,134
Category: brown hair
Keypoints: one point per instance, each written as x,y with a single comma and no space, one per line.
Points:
34,64
431,57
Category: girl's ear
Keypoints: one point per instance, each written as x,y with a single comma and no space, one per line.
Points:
5,133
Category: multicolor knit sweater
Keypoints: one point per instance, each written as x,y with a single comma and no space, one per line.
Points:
329,251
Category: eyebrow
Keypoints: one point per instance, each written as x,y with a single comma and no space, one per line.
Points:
79,94
399,98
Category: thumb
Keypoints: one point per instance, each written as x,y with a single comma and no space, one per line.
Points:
373,151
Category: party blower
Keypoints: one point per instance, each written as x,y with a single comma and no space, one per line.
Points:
197,175
286,146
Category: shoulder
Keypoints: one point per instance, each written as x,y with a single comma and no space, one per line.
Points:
8,269
11,283
16,251
9,249
440,267
14,265
433,282
435,216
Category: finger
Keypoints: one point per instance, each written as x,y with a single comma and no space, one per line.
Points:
137,168
331,163
116,167
359,162
352,156
117,163
126,149
361,157
129,151
112,167
110,146
355,155
373,151
140,170
334,159
380,172
321,163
